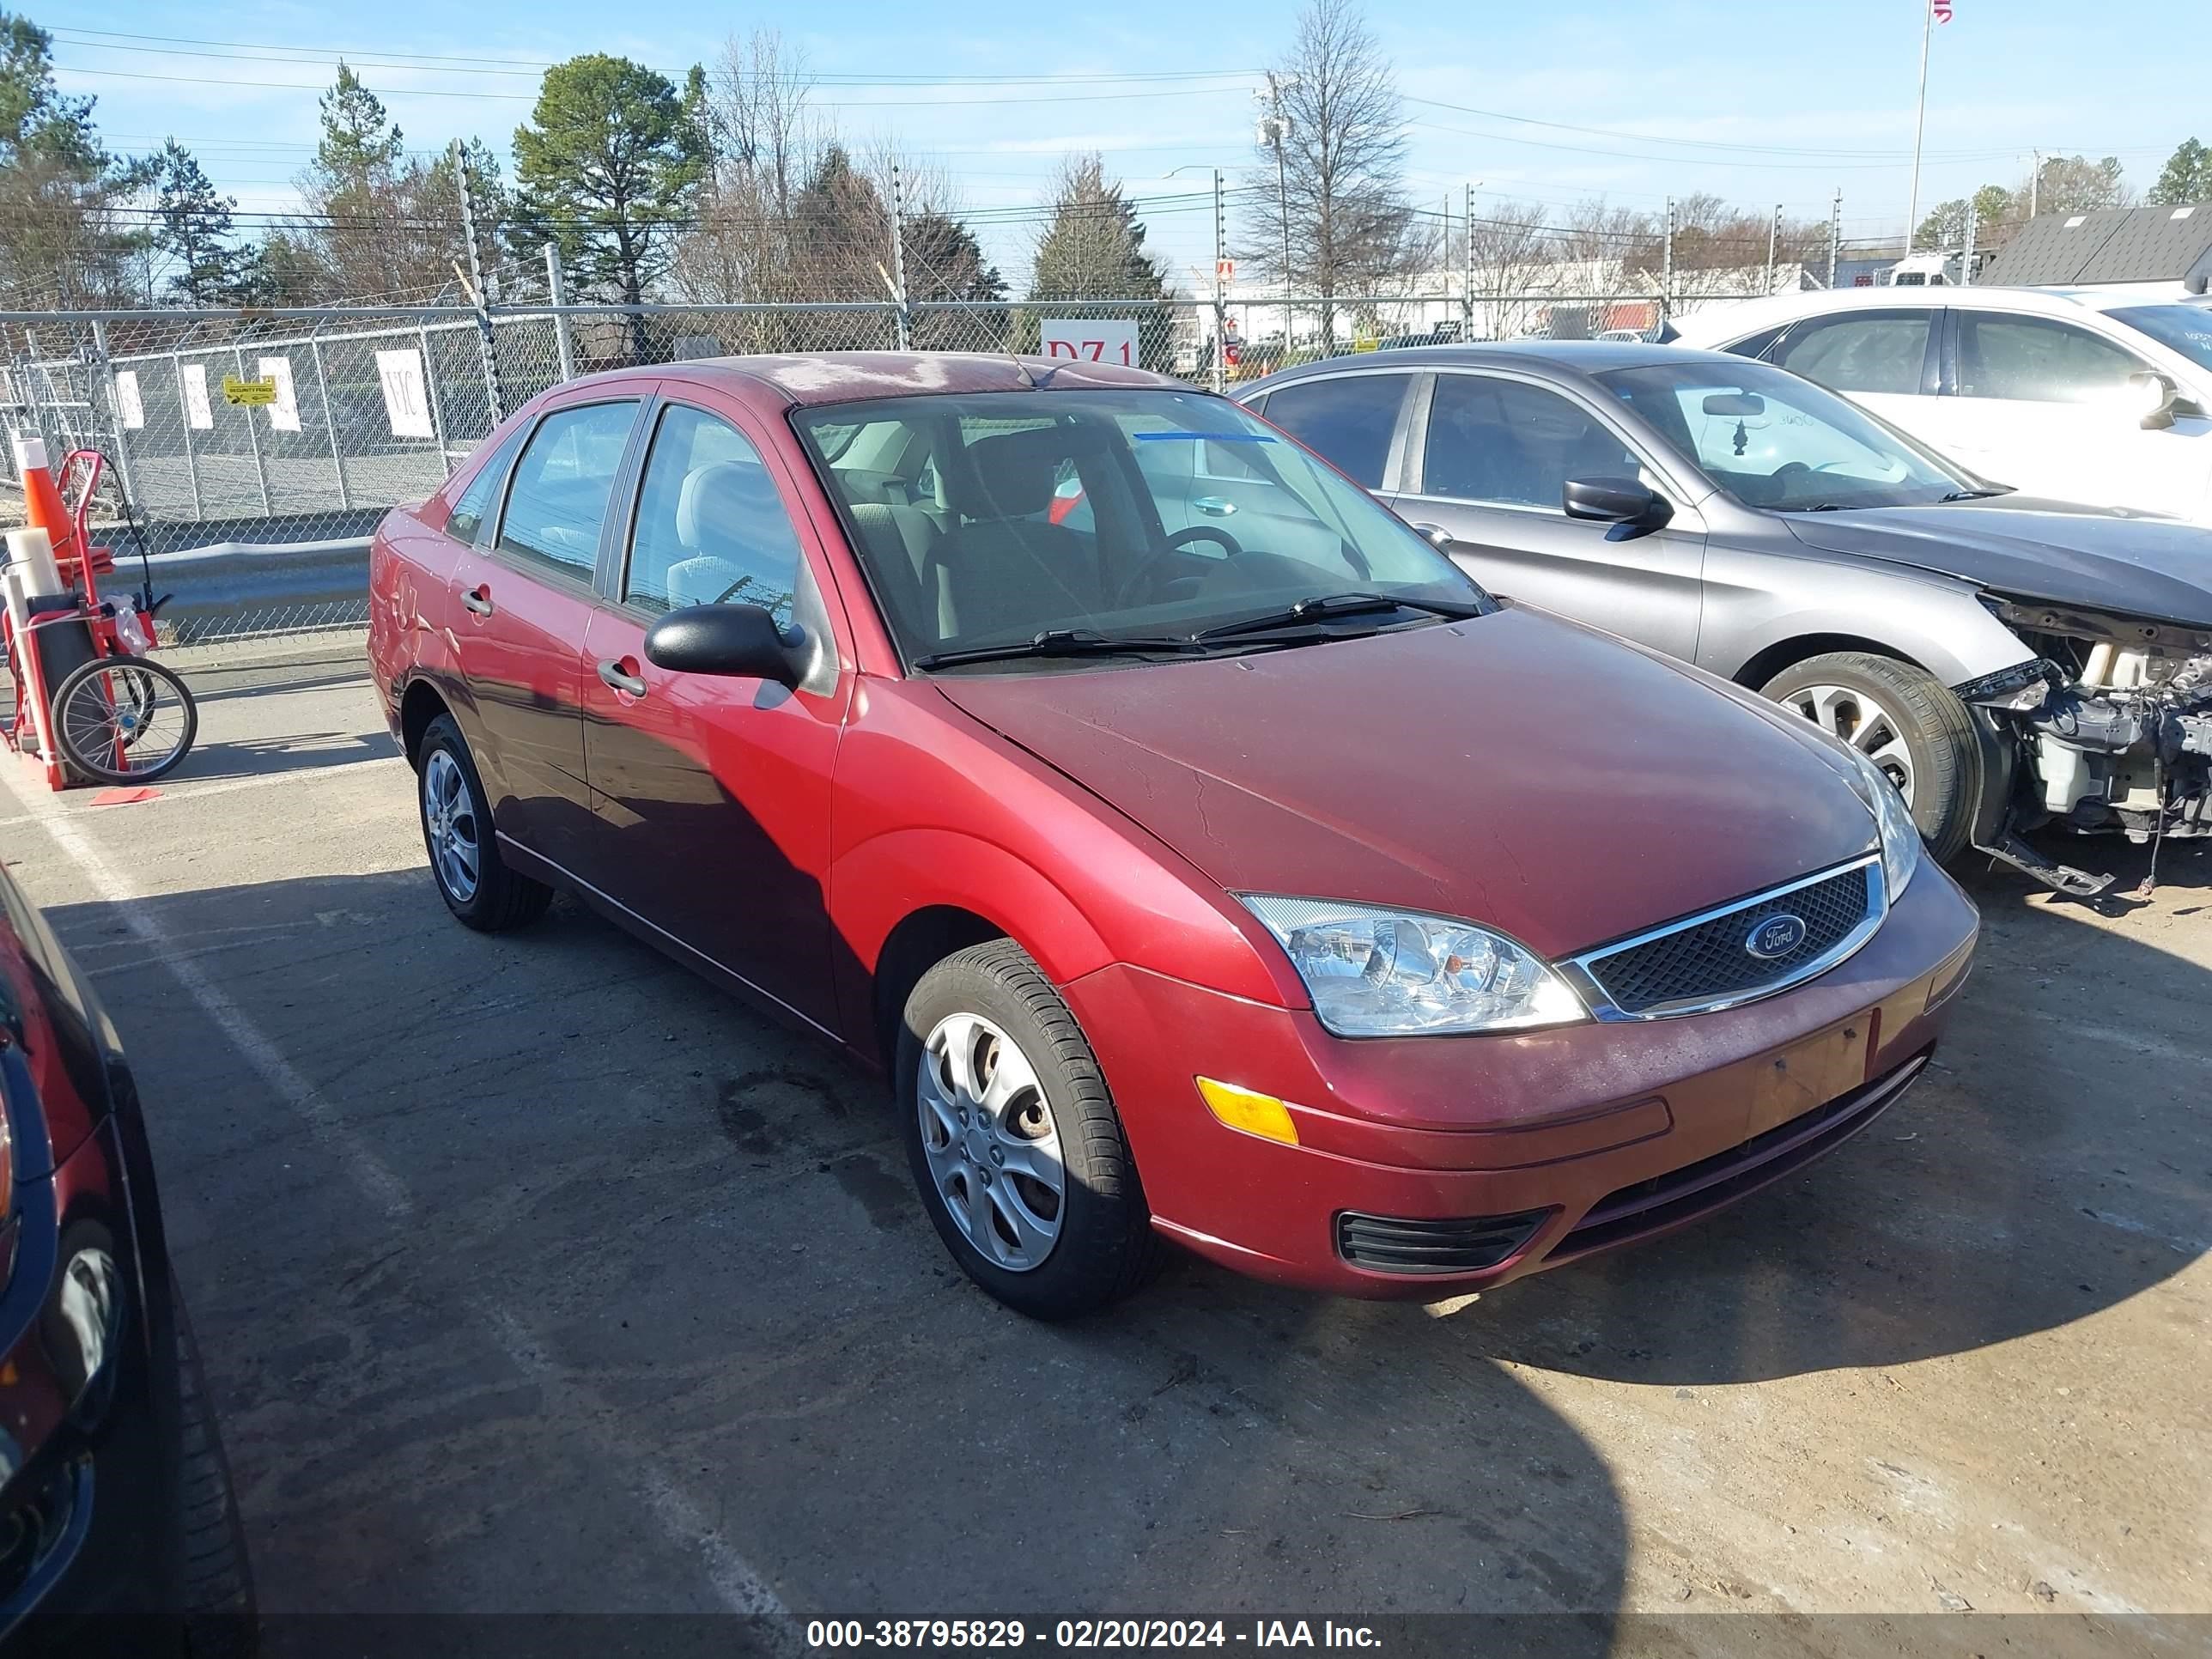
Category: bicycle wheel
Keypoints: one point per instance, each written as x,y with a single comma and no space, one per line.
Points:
124,720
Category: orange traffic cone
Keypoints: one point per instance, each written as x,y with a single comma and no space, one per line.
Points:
42,498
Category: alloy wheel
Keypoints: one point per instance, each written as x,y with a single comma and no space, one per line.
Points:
449,822
990,1141
1864,723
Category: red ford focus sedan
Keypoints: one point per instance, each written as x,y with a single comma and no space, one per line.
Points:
1204,856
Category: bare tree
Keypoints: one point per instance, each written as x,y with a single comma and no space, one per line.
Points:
1510,253
766,143
1340,143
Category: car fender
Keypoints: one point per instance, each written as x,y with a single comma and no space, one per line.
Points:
1756,604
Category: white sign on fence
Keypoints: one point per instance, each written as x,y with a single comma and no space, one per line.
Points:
284,413
191,382
1091,340
406,398
129,408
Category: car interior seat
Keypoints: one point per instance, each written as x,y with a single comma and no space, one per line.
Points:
723,507
1005,565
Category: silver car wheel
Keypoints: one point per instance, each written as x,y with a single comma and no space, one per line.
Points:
1868,724
988,1137
449,822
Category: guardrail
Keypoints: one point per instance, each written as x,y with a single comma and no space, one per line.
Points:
233,589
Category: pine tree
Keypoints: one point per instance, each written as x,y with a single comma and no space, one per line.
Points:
1094,249
195,230
2187,178
62,196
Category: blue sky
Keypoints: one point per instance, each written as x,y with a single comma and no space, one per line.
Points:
1782,102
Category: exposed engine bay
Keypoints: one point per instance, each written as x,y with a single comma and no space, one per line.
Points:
2112,725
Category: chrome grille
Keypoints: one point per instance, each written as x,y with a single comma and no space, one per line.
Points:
1703,962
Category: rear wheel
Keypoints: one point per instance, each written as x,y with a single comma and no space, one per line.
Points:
1906,722
476,882
1014,1140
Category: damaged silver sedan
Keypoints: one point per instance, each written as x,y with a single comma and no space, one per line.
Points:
2009,663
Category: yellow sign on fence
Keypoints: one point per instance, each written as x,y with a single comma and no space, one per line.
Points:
247,393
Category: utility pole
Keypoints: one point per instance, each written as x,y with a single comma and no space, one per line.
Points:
1276,129
1835,232
1773,243
1220,284
485,344
1667,265
898,260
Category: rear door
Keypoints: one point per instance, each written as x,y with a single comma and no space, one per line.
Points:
1491,469
1357,420
1889,360
711,794
520,607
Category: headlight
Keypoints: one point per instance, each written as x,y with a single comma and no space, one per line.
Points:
1383,973
1900,836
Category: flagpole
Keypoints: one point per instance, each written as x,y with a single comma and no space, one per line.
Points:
1919,121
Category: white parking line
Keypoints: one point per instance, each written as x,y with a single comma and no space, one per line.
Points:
739,1588
191,790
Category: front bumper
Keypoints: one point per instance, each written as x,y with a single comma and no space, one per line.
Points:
1596,1133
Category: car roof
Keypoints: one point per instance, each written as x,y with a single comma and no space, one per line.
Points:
1734,318
1583,357
807,379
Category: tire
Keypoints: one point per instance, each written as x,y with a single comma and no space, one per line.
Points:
1102,1246
122,697
218,1580
1906,721
456,830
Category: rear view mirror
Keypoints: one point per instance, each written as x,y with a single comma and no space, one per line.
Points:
737,642
1741,404
1631,507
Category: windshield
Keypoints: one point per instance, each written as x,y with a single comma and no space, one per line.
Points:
1771,439
2186,328
999,518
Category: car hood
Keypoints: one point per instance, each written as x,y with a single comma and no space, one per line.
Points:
2159,568
1515,769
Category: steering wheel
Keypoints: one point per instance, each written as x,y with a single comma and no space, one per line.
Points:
1197,533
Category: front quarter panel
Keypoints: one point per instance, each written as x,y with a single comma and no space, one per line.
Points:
1758,601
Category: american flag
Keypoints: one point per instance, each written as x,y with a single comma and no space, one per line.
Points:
1942,10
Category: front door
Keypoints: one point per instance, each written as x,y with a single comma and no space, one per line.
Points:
1491,470
2045,405
712,795
519,610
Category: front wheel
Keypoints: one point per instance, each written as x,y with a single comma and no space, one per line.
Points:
124,720
1908,723
1014,1140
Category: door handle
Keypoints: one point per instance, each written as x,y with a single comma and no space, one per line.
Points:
611,676
478,600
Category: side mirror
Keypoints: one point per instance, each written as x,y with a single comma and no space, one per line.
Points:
737,642
1629,505
2156,396
1437,536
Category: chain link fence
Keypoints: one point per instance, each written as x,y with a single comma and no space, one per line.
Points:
291,433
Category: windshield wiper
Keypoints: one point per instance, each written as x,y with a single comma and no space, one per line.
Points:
1978,495
1058,642
1321,609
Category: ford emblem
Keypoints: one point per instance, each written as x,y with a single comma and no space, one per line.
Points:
1775,936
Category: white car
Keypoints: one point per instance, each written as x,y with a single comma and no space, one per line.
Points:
2103,396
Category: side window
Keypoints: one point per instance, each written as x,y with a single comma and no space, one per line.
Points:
1347,419
1517,445
2038,360
711,528
561,483
1755,345
476,501
1886,353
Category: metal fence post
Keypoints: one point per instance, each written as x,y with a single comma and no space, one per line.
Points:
330,426
1835,232
1220,291
114,417
485,344
430,392
1466,273
185,425
898,260
1667,265
562,343
1966,258
1773,239
260,466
